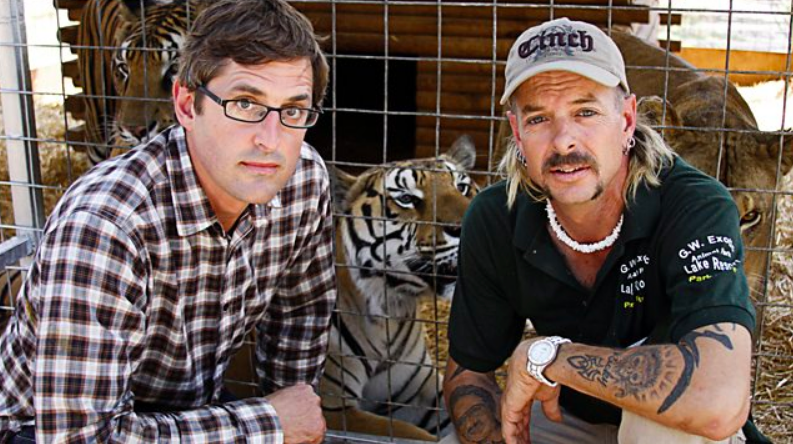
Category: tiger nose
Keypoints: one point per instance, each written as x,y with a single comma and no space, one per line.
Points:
454,231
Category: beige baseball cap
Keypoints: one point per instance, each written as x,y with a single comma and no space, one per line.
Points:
564,45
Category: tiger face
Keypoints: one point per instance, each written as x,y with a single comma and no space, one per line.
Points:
144,66
400,232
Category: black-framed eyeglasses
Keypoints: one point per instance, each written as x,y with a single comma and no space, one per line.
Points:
244,110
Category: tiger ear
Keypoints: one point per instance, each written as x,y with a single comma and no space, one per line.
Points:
197,6
130,10
656,112
463,151
653,109
340,183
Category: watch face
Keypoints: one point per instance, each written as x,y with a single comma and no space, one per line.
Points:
541,352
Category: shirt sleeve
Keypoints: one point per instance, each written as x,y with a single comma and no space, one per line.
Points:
88,310
292,338
702,265
484,328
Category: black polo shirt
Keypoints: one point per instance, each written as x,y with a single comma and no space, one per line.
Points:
676,266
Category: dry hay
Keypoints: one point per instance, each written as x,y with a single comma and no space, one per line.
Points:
60,165
773,394
435,315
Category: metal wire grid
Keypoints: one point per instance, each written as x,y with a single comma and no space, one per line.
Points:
492,118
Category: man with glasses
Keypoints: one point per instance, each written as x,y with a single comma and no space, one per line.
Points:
156,266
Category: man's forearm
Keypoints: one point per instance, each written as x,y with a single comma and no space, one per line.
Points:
695,385
472,399
247,420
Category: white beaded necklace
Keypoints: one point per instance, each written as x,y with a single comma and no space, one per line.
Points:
579,247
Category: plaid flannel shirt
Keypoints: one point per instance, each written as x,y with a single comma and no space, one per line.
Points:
137,295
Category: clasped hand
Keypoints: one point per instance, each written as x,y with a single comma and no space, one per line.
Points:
519,393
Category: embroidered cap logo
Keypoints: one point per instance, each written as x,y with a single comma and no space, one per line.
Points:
564,45
559,38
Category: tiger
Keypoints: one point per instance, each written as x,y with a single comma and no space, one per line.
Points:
128,55
397,237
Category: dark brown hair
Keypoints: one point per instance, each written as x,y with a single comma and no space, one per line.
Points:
250,32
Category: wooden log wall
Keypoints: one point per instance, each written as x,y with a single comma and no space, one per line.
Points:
471,83
453,45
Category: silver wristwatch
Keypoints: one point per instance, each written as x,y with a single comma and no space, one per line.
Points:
541,354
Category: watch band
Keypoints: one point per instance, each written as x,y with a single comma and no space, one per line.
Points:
535,369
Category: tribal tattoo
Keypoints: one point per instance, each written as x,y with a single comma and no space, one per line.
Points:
688,348
648,372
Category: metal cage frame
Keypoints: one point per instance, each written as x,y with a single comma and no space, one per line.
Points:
444,61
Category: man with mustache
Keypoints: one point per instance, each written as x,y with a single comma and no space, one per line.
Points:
156,266
626,260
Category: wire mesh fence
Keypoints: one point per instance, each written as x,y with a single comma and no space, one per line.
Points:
408,80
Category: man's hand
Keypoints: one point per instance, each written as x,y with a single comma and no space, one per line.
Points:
520,390
300,413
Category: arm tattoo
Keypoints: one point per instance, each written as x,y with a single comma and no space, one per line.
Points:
648,371
478,423
688,348
591,368
635,373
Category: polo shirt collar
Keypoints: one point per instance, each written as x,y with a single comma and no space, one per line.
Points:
193,211
641,214
530,222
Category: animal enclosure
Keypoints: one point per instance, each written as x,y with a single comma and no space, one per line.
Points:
414,79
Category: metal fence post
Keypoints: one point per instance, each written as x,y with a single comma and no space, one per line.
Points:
16,91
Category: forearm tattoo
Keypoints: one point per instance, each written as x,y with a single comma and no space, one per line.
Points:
637,372
688,348
473,410
648,372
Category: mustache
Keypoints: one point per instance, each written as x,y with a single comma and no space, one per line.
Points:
572,158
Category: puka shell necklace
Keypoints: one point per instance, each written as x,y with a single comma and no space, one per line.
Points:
577,246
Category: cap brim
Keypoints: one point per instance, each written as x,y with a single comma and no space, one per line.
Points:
587,70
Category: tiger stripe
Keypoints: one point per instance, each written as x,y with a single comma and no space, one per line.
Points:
397,240
127,58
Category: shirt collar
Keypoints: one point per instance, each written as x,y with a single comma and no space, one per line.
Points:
529,222
193,211
641,214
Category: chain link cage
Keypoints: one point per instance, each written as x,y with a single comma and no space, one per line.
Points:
408,79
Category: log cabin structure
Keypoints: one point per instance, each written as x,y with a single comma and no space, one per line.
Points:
410,76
